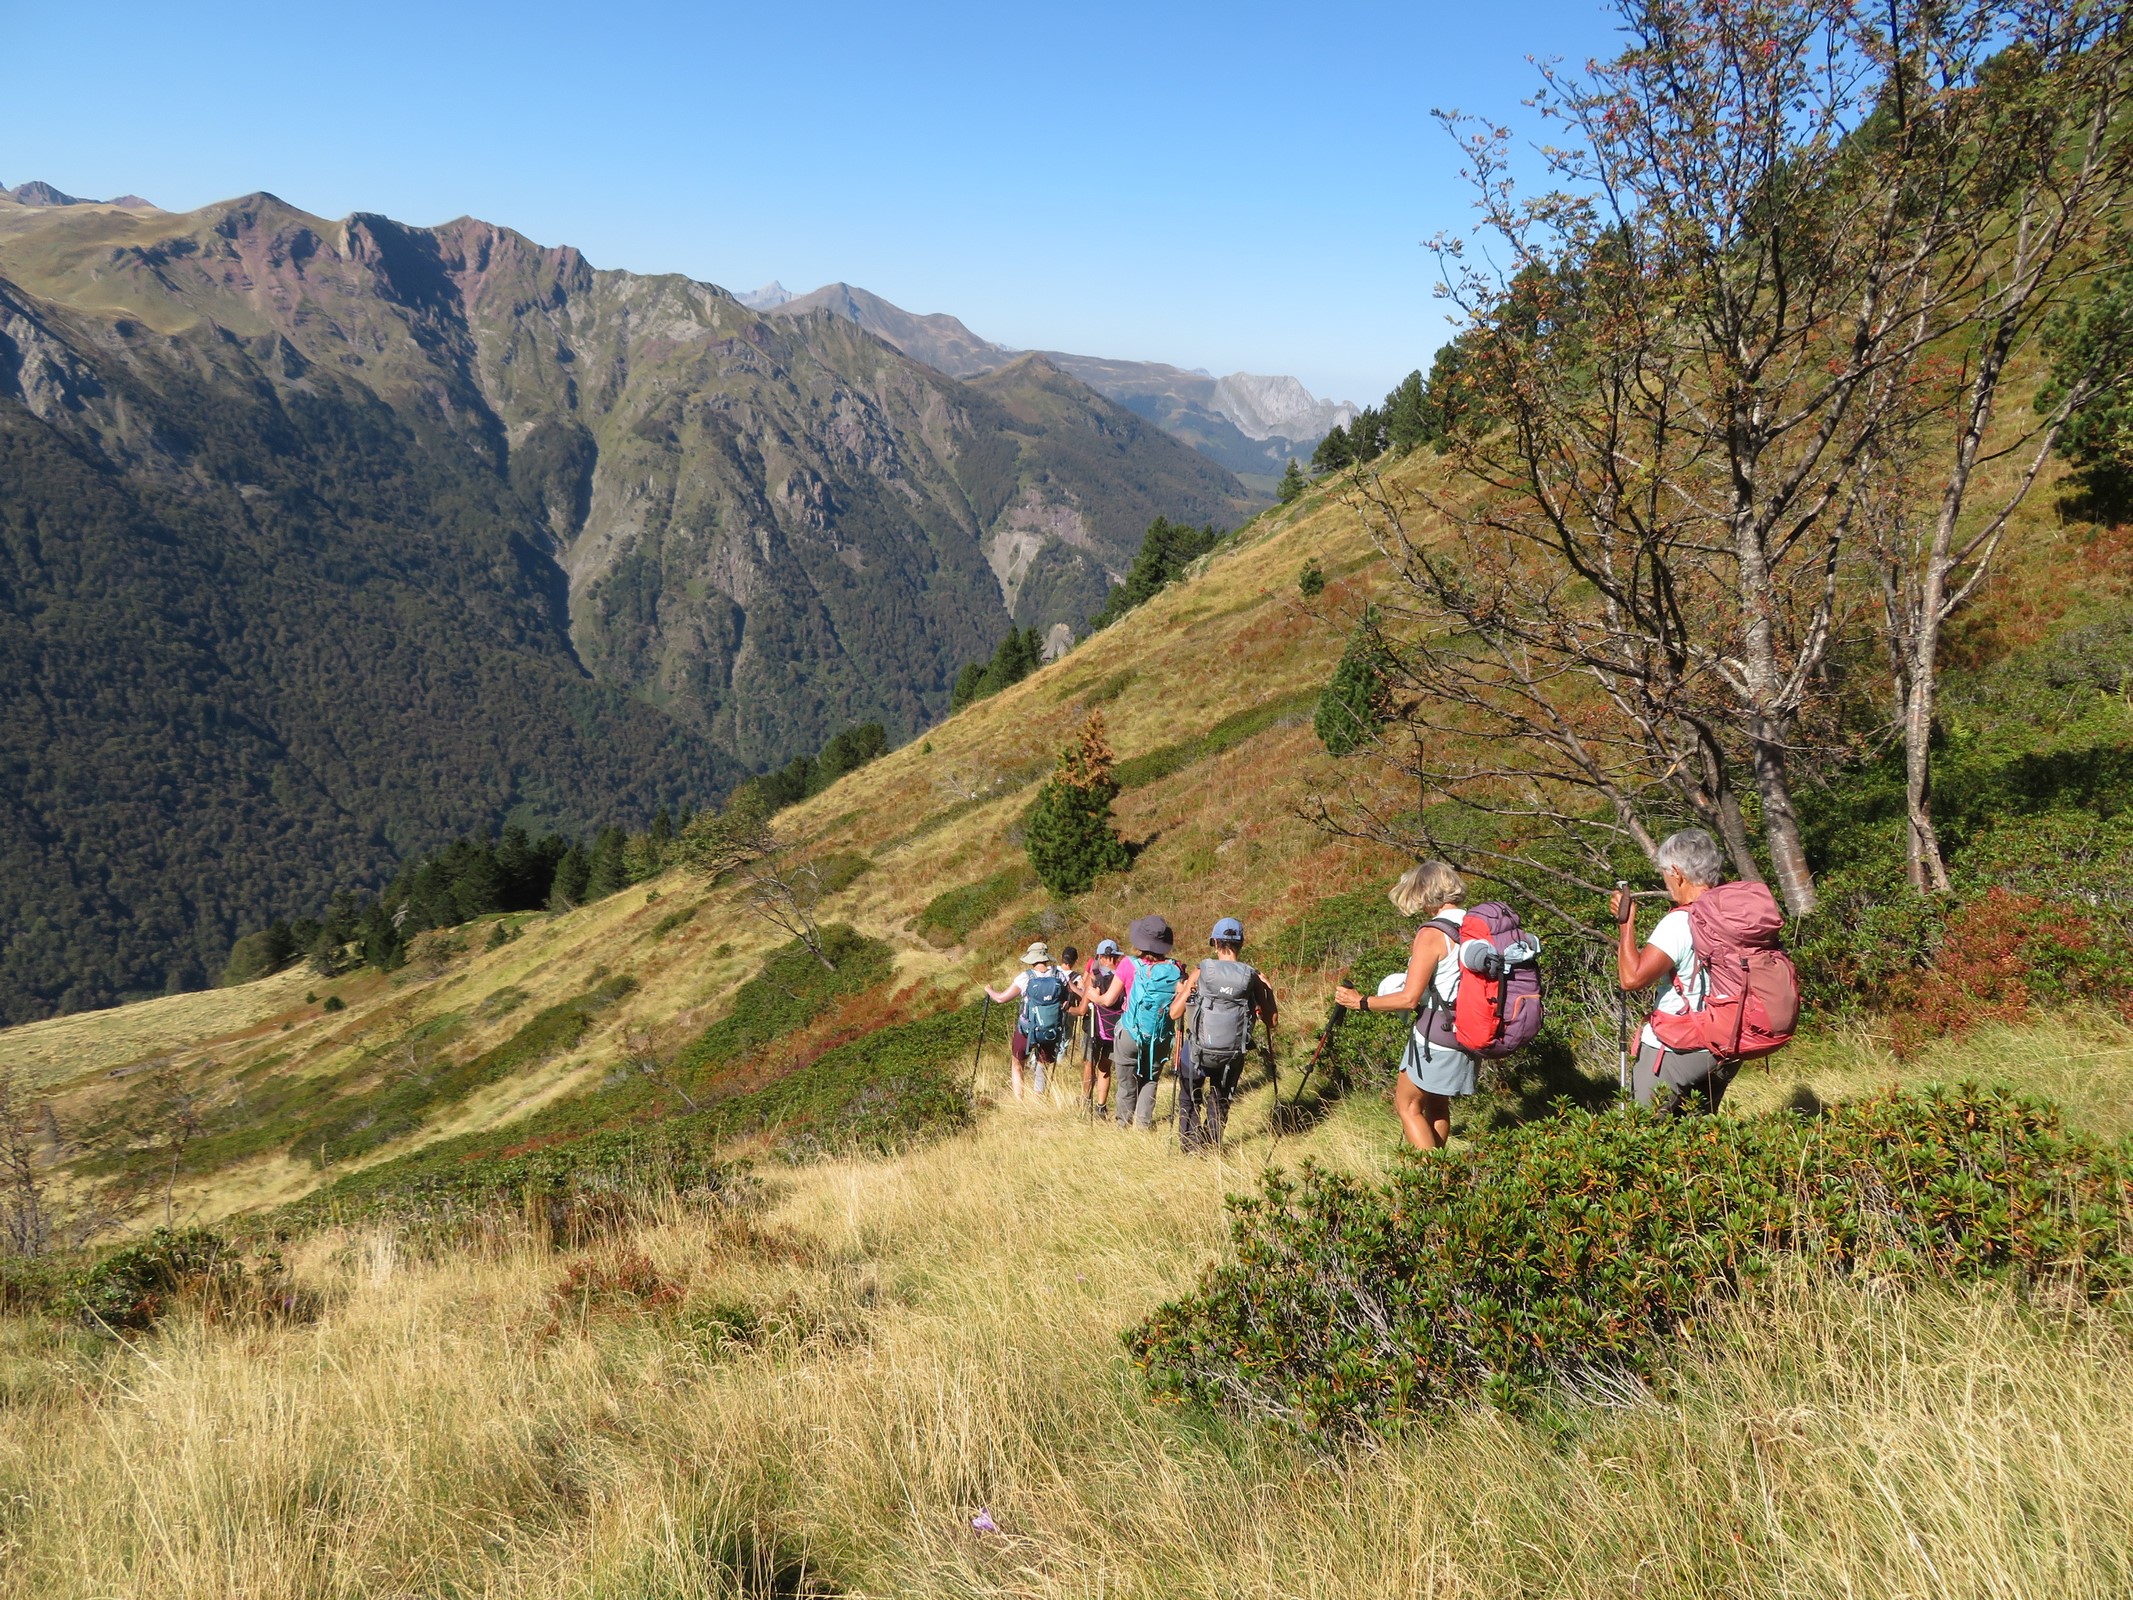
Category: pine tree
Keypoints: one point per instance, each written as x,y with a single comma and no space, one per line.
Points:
568,887
1292,485
1333,452
1408,418
1069,833
607,874
1353,705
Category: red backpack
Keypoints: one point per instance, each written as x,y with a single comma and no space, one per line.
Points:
1498,1005
1751,995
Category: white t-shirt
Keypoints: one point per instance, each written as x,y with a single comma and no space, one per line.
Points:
1020,985
1684,989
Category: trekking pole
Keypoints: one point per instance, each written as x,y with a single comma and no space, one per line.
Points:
1273,1116
1325,1039
1621,1012
984,1012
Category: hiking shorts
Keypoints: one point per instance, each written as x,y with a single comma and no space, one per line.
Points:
1019,1047
1442,1070
1679,1082
1099,1052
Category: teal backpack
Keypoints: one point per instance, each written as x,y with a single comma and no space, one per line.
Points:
1147,1015
1044,1009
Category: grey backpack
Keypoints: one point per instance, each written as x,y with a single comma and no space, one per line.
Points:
1222,1010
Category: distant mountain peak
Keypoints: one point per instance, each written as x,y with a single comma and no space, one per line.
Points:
1244,422
39,193
768,298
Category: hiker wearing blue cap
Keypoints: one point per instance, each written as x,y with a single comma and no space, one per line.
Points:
1222,1000
1143,986
1099,1024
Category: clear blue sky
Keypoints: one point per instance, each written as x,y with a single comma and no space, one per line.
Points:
1223,186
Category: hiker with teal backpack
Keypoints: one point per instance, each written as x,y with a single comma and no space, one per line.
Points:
1143,985
1217,1003
1041,1025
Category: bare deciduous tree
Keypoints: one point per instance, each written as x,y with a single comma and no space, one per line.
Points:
25,1220
1778,250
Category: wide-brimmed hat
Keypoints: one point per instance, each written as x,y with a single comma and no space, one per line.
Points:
1040,951
1151,933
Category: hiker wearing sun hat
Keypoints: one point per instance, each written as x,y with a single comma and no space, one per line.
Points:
1218,1004
1041,1023
1143,985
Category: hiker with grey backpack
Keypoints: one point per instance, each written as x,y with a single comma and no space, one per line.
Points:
1473,983
1217,1003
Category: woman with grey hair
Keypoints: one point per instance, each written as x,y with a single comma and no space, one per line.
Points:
1434,1068
1673,1082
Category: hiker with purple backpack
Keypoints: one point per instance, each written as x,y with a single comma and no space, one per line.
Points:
1731,994
1473,982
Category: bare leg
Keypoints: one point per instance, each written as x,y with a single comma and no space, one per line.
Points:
1014,1071
1410,1103
1437,1111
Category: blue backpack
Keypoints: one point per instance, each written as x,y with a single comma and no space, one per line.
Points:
1147,1015
1044,1008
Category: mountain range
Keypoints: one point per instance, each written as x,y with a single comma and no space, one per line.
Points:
1245,422
321,541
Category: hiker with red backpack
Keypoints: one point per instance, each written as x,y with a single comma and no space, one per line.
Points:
1731,994
1473,983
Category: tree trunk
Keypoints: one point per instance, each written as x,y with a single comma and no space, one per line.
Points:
1781,824
1923,862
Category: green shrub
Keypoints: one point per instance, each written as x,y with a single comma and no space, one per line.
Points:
1570,1253
1227,734
790,991
137,1286
841,871
672,920
951,916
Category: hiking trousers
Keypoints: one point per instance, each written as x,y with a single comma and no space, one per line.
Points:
1678,1083
1134,1100
1203,1104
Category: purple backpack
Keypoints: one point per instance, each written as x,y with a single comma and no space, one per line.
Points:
1498,1007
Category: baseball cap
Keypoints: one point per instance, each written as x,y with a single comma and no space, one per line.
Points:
1228,931
1108,947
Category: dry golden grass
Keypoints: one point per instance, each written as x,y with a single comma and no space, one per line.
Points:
937,1335
59,1048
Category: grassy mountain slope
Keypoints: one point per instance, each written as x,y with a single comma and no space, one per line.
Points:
818,1390
1207,693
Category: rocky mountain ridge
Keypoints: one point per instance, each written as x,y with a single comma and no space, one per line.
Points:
1245,422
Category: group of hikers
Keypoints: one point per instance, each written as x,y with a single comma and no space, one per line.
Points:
1727,994
1132,1013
